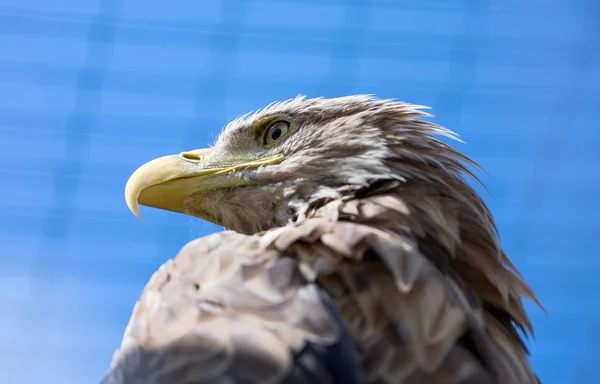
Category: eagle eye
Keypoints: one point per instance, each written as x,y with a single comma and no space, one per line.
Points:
276,131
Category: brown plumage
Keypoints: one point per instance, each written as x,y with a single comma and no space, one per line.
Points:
360,254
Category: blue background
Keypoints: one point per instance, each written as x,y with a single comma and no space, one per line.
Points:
89,90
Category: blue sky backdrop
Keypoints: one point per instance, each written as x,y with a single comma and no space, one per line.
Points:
91,89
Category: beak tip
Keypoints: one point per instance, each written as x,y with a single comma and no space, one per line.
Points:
137,214
131,197
134,207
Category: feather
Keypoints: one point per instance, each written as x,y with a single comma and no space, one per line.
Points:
223,312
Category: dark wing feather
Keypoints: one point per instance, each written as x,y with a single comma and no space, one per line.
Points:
226,310
415,290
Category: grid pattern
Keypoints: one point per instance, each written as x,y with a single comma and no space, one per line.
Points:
90,89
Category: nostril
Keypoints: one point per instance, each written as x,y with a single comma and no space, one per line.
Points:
190,156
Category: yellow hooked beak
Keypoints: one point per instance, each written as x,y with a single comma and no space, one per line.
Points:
165,182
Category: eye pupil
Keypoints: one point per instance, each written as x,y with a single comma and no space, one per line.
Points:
275,133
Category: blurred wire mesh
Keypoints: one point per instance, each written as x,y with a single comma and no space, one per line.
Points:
91,89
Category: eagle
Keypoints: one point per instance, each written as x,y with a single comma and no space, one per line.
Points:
355,250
